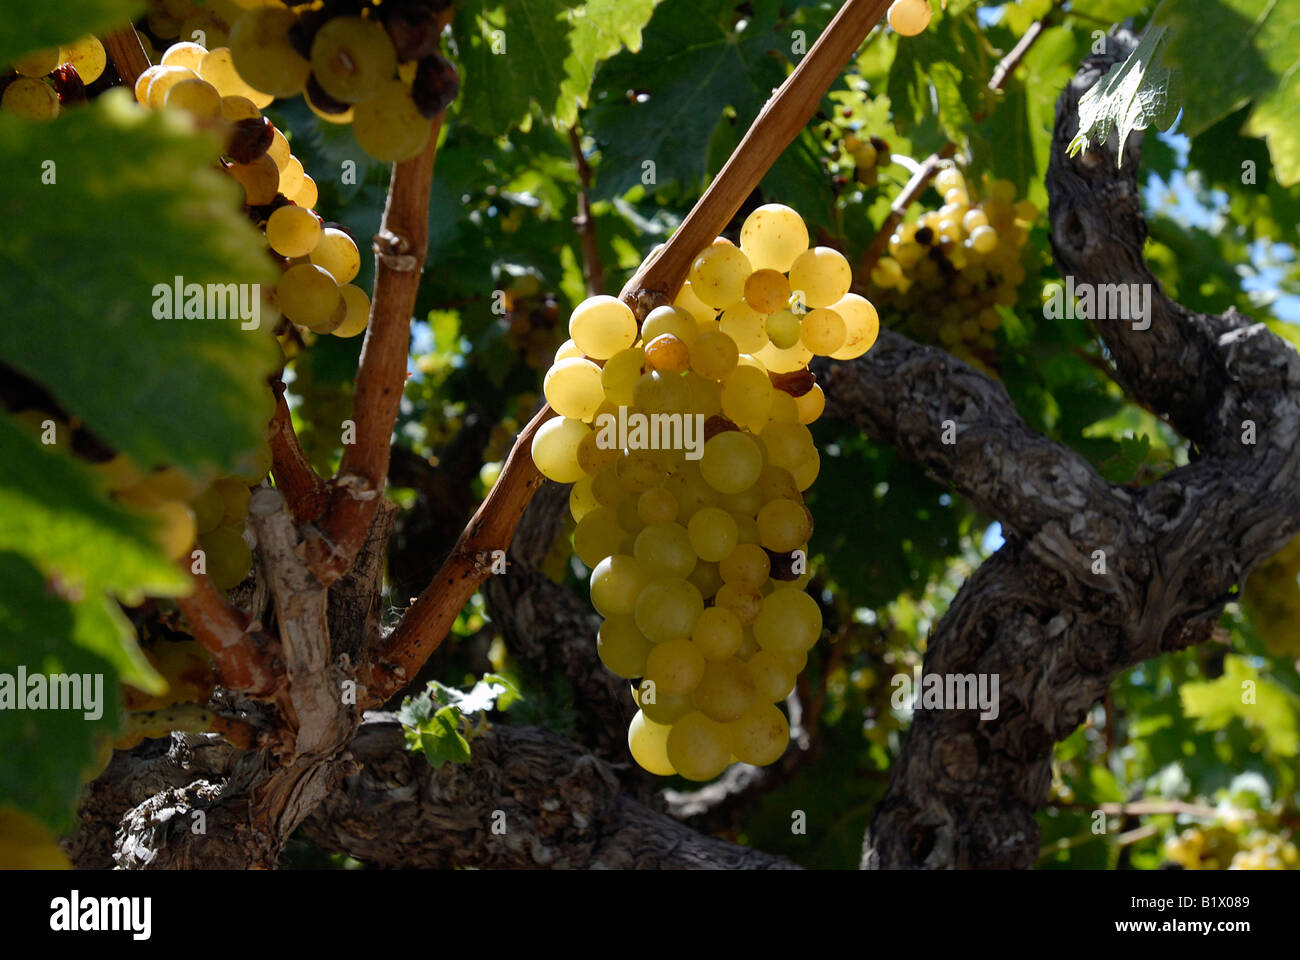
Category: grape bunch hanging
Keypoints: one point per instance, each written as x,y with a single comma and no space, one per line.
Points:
699,564
949,270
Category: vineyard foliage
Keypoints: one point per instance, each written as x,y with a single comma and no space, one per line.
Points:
109,200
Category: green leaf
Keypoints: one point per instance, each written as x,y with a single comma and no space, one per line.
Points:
697,61
45,753
1274,713
439,739
135,202
521,53
30,26
937,80
1254,49
1132,95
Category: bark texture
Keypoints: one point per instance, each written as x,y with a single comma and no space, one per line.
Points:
1039,613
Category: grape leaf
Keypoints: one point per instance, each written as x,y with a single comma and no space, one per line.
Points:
113,202
30,26
1273,712
45,753
697,61
1254,49
1133,95
517,53
937,80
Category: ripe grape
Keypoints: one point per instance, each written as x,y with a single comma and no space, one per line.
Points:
648,743
38,63
820,276
573,388
358,311
698,747
675,666
668,354
772,237
726,690
602,326
909,17
767,290
307,294
88,57
760,736
731,462
263,55
555,448
352,59
668,608
388,125
718,275
30,99
616,583
195,96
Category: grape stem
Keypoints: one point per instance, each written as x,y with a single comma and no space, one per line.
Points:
399,259
294,477
586,226
127,53
429,618
924,173
224,631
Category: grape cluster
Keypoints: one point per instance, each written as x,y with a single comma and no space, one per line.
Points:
869,156
698,564
40,84
1272,599
318,261
949,270
374,65
1229,845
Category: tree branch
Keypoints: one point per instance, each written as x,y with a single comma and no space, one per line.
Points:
127,53
294,475
528,799
400,249
241,653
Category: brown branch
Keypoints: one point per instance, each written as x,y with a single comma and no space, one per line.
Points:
127,53
426,622
591,267
931,165
294,475
777,124
399,258
240,654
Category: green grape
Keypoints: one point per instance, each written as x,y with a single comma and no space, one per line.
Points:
389,126
674,666
334,251
984,240
747,564
742,599
787,444
660,707
706,579
175,527
667,609
823,331
616,582
292,178
307,294
820,276
789,623
280,152
861,326
786,360
227,557
592,455
767,290
648,743
776,483
774,675
732,461
714,356
264,56
747,397
782,329
620,374
357,313
218,68
718,275
622,647
656,392
783,525
238,108
30,99
746,529
772,236
555,449
601,326
810,406
209,508
726,690
306,195
573,388
352,58
670,320
747,501
746,327
712,532
582,498
196,97
87,55
698,748
597,535
38,63
717,634
294,232
656,506
697,308
664,550
261,182
760,736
